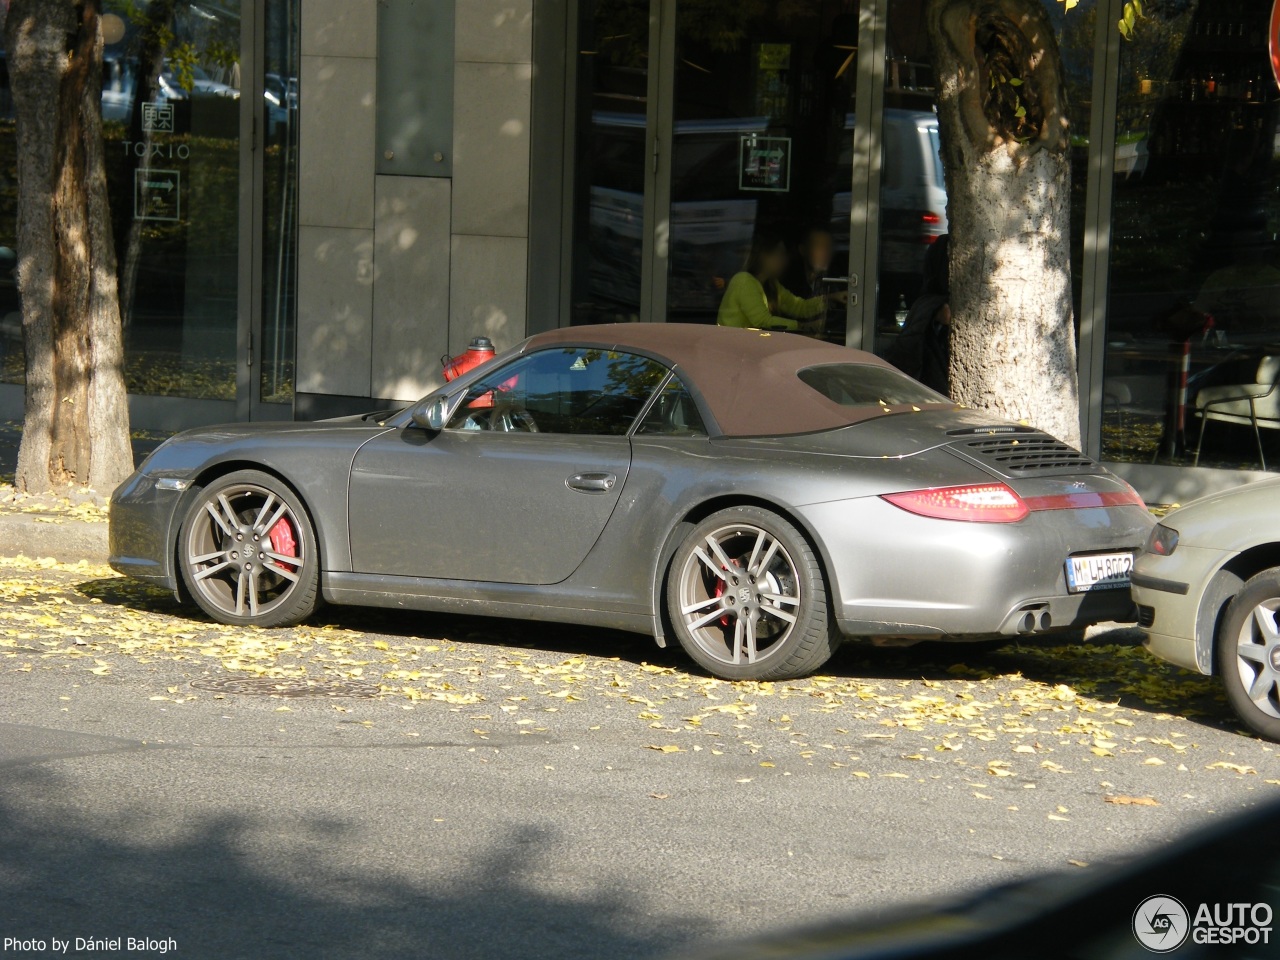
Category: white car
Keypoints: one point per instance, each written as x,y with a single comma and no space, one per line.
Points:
1207,586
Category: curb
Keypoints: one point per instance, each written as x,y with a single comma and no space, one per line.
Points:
67,541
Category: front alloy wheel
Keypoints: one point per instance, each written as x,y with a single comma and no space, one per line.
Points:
1248,654
747,598
248,553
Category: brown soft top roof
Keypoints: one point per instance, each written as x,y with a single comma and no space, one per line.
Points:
748,378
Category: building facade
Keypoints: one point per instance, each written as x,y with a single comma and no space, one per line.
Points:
314,201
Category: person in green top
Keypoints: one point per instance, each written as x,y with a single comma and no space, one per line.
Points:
755,298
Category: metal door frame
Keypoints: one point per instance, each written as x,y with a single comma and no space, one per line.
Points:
251,203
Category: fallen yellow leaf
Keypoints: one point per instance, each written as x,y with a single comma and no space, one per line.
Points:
1236,767
1126,801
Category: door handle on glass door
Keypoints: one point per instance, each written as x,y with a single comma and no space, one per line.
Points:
850,282
591,482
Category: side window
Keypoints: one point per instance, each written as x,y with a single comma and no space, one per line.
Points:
566,391
673,414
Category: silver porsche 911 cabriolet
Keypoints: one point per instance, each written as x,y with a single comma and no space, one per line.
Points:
759,495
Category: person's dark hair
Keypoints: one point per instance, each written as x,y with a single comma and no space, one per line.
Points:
764,243
812,230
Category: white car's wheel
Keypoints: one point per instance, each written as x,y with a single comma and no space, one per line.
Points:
1248,654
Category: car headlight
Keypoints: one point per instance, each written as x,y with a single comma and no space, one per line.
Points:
1163,540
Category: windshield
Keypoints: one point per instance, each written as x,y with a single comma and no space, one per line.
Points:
864,385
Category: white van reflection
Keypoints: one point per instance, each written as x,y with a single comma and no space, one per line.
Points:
913,204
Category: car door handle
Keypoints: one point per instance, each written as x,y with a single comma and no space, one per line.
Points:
591,482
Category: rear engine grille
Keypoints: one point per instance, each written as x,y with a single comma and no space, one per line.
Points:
1024,454
1146,616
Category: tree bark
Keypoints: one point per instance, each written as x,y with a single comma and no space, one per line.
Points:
1002,117
76,427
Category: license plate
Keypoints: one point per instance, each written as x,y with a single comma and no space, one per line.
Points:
1099,571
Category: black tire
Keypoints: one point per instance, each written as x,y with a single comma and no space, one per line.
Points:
228,552
729,588
1247,654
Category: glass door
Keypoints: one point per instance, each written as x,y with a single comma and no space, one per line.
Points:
199,117
699,128
268,345
762,158
613,161
171,106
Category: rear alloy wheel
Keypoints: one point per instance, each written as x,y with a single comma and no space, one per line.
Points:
747,598
1248,654
248,553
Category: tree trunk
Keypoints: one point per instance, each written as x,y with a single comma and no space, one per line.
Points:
76,428
1005,145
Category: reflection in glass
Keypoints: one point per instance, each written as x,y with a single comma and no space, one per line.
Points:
673,414
170,107
1193,334
280,203
171,121
912,291
568,391
612,163
763,145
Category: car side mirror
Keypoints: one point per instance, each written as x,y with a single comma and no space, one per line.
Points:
432,415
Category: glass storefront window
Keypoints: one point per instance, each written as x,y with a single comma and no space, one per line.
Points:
171,110
280,204
763,147
1193,318
171,118
611,164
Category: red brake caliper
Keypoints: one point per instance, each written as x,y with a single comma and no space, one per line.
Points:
721,587
283,543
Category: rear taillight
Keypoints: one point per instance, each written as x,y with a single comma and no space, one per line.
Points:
980,503
1082,501
930,221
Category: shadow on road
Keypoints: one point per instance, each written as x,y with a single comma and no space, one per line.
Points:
70,871
1112,667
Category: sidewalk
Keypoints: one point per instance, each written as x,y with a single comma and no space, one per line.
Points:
68,527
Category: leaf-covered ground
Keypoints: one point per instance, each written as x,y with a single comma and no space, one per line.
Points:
1137,731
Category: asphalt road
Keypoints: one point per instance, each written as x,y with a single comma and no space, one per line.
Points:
517,790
